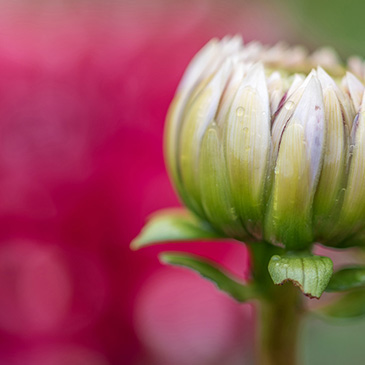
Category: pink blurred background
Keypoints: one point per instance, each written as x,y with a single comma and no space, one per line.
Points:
84,90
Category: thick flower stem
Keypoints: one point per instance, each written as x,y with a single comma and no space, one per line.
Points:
279,312
279,319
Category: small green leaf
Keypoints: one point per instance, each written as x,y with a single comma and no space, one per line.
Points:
310,273
212,272
349,305
348,278
171,225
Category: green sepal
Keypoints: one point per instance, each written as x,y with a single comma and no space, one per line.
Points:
310,273
170,225
349,305
348,278
212,272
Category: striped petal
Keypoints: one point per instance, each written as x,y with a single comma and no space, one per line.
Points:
248,145
275,85
191,78
353,209
215,189
289,218
197,118
294,94
334,161
354,88
347,107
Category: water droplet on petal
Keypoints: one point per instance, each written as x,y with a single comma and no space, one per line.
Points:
233,213
240,111
289,105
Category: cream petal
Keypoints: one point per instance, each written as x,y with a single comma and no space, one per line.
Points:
332,178
354,88
200,113
347,107
298,165
214,186
248,145
275,85
353,209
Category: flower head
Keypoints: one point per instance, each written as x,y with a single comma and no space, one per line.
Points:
269,143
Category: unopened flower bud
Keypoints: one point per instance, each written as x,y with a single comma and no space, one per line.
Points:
269,143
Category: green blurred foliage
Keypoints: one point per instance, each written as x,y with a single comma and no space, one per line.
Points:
338,23
334,343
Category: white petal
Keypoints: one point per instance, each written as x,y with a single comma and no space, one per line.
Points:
275,85
353,209
238,72
287,111
355,89
296,83
346,104
310,114
197,117
198,65
248,145
331,180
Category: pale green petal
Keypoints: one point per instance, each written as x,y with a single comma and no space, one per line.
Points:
192,77
276,88
215,190
288,219
354,88
332,176
196,120
235,80
196,77
248,146
353,209
347,106
294,94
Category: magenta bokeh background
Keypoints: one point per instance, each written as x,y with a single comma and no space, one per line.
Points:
84,90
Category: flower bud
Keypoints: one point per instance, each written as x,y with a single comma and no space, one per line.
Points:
264,144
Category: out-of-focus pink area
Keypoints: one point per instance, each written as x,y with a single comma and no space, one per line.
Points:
84,89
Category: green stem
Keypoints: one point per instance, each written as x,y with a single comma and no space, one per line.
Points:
279,326
279,314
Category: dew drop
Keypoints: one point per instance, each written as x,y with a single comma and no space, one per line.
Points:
240,111
289,105
233,213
